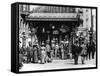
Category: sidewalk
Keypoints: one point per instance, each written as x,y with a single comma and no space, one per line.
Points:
59,64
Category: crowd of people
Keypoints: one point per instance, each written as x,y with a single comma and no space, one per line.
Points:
85,50
46,52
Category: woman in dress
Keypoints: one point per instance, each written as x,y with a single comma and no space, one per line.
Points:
35,54
83,52
62,51
43,54
56,50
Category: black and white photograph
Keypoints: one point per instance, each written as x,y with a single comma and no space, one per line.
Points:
53,37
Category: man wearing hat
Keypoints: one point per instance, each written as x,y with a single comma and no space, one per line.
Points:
30,52
48,52
75,51
33,36
53,47
24,37
20,56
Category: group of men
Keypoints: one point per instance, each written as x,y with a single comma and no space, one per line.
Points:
85,50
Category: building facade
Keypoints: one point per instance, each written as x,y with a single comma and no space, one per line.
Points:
52,23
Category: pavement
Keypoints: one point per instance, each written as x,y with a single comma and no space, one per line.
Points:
58,64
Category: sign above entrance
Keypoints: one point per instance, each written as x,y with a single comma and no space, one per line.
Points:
53,15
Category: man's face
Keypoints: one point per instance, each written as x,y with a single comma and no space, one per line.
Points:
33,31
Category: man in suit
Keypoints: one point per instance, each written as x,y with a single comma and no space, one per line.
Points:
20,56
30,53
88,51
75,52
93,49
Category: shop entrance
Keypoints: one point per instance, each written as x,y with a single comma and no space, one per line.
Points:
53,30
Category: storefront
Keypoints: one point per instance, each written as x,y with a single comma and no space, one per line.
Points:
53,26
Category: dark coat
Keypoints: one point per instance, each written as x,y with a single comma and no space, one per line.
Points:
35,55
30,51
76,50
93,47
88,48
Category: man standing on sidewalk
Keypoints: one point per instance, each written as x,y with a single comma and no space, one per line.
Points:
75,52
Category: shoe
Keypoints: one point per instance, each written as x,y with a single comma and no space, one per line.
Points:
82,62
76,63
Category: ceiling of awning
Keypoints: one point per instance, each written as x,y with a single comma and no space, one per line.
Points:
51,19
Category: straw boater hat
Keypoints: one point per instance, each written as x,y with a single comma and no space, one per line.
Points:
42,43
66,42
62,42
52,41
